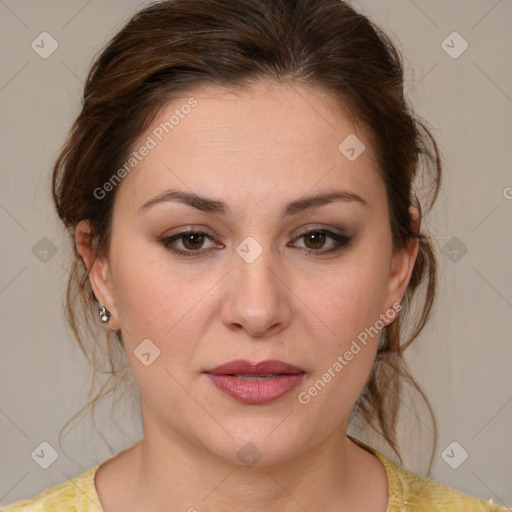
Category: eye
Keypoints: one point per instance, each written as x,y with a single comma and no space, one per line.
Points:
315,239
193,242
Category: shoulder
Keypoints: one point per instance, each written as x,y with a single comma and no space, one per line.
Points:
414,493
421,494
73,495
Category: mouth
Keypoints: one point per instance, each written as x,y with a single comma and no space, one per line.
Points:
256,383
242,367
256,377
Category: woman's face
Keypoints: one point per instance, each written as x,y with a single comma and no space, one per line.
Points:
260,288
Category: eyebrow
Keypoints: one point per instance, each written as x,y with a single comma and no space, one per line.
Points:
206,204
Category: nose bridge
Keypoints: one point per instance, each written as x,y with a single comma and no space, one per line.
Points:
258,300
254,271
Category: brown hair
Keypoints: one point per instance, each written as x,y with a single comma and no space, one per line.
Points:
173,46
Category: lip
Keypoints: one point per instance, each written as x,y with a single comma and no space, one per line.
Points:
244,367
285,377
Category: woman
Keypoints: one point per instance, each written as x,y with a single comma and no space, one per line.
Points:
239,191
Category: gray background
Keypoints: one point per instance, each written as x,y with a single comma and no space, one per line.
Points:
463,357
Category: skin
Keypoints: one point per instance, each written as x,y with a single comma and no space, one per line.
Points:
255,150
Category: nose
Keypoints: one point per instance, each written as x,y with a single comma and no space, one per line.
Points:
257,297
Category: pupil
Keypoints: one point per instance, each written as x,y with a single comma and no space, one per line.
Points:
193,238
315,235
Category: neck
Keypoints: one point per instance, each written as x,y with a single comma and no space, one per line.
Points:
176,474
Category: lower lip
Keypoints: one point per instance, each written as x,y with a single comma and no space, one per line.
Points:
256,392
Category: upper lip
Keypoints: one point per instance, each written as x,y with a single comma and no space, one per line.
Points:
244,367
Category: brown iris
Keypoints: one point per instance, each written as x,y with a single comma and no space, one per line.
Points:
194,238
318,237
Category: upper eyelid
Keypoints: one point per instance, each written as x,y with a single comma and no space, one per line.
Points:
330,232
302,231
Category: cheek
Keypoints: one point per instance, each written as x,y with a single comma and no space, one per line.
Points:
347,310
146,292
348,298
156,303
162,307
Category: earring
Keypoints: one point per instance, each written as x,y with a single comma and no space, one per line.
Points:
104,314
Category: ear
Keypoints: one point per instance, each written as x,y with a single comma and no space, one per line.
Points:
99,274
403,264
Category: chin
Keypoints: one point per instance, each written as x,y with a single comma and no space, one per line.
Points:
253,442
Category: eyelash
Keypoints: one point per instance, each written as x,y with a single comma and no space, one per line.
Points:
341,240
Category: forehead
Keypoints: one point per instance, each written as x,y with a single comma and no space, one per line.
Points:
269,140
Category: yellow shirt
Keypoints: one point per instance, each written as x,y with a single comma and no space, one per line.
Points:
407,492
